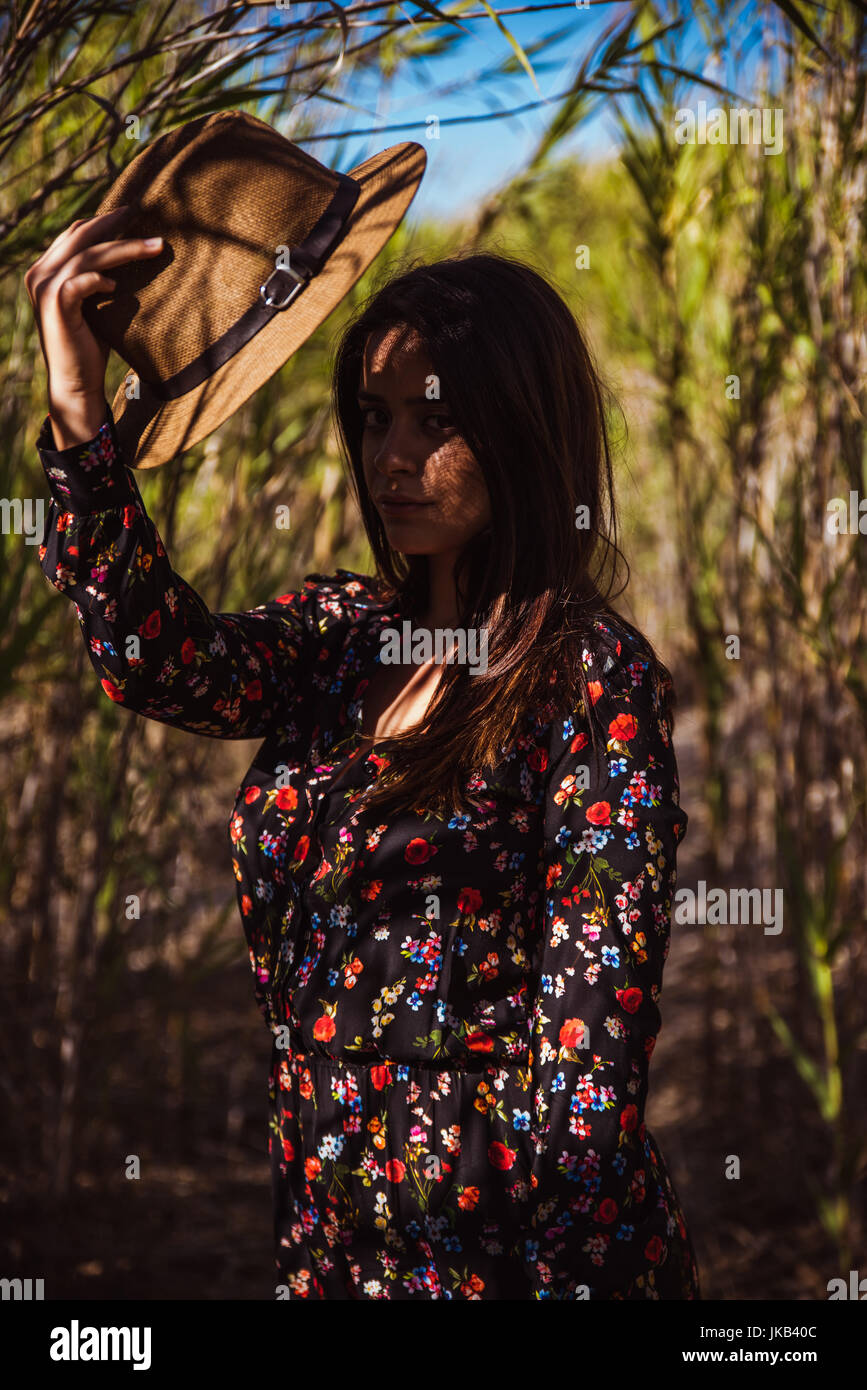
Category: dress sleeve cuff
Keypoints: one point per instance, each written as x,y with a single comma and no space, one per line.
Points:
89,477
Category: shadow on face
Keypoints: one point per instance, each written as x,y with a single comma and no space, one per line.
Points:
422,476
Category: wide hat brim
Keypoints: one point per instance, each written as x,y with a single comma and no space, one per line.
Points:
388,182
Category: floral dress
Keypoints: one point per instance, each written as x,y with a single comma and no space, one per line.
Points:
462,1010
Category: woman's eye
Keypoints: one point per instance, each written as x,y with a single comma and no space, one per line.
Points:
370,410
441,421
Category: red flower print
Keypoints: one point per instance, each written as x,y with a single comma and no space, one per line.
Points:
253,690
288,1151
630,999
607,1211
572,1032
251,794
653,1249
286,799
538,760
469,1199
568,788
350,972
151,624
418,851
500,1157
629,1118
489,968
594,690
381,1077
469,900
578,742
623,727
480,1042
324,1029
599,813
188,651
112,691
554,872
301,849
395,1170
246,905
312,1167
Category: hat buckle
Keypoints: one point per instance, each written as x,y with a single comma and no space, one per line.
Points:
300,278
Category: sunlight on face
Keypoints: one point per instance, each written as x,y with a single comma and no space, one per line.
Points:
422,476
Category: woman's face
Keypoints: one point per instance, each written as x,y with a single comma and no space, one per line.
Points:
423,479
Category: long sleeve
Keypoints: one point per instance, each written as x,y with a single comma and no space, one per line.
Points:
151,639
597,1214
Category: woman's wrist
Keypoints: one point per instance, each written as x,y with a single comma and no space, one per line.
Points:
76,421
90,476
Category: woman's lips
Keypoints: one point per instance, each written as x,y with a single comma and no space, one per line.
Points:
396,507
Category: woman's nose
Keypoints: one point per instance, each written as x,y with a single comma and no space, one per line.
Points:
395,452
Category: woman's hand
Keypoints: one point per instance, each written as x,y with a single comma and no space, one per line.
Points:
65,274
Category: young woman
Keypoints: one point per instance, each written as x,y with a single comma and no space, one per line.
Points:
454,876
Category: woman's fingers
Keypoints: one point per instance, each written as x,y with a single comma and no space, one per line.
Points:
72,268
106,253
76,288
76,236
97,256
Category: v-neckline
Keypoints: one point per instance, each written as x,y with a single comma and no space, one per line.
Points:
367,646
370,645
372,739
364,645
350,749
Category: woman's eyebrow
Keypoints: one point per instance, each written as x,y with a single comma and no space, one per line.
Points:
408,400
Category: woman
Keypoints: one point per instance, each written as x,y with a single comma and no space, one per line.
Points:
455,877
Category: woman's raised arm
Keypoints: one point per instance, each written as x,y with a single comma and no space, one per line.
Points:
151,639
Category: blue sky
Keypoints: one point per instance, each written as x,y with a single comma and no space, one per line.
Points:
469,161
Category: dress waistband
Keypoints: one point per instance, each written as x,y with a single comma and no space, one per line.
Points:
474,1066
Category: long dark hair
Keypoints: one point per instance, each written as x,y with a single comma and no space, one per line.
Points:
523,390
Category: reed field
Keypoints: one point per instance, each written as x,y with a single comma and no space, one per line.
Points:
722,288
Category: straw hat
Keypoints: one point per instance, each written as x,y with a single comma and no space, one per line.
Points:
261,242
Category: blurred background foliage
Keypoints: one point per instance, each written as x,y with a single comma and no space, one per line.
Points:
724,297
